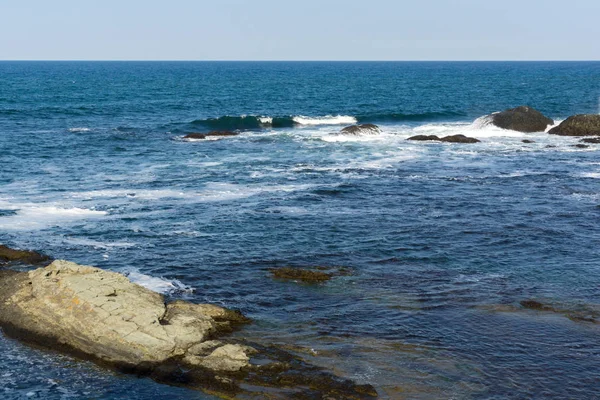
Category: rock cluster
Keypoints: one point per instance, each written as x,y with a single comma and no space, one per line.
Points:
447,139
102,316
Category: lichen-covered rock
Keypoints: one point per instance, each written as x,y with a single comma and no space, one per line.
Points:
522,119
24,256
363,129
102,316
578,125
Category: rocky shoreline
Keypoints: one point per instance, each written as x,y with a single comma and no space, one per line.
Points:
101,316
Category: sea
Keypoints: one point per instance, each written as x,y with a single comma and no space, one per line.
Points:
443,240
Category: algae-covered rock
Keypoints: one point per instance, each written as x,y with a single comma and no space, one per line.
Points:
301,274
25,256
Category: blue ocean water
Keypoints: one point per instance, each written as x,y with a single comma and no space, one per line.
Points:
442,239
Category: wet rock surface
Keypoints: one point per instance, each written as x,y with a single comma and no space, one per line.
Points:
447,139
591,140
578,125
424,138
522,119
363,129
8,255
102,316
198,136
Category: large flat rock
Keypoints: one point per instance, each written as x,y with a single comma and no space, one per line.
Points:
102,316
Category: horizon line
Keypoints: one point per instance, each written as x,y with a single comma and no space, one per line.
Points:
288,60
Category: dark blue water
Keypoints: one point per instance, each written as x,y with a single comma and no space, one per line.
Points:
444,240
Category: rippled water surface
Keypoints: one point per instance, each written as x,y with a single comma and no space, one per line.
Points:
443,240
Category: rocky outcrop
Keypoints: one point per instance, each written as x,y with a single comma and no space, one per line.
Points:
522,119
197,135
447,139
102,316
578,125
363,129
8,255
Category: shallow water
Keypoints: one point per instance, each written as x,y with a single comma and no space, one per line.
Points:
94,170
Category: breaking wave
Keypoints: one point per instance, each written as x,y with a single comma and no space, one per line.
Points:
257,122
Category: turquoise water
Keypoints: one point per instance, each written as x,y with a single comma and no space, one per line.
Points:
442,238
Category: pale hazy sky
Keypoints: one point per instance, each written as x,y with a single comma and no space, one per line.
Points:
299,30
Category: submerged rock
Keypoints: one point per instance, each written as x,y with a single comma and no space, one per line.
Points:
102,316
301,274
521,119
8,255
363,129
527,141
197,135
578,125
535,305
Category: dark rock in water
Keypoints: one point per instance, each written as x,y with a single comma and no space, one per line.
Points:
300,274
578,125
101,316
424,138
580,146
24,256
521,119
535,305
459,139
527,141
591,140
197,135
364,129
550,146
448,139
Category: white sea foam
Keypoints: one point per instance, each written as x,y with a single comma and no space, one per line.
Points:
326,120
30,216
98,245
265,120
144,194
157,284
595,175
79,129
219,191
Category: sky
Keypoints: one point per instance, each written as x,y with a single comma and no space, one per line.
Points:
299,30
